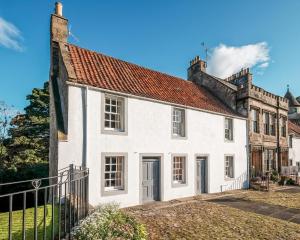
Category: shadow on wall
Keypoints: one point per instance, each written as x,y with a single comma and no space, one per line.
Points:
238,183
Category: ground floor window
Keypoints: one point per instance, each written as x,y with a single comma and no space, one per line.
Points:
179,169
298,165
269,160
229,173
114,173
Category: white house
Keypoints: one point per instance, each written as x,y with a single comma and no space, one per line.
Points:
144,135
294,144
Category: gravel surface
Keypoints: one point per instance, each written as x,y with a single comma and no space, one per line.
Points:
199,219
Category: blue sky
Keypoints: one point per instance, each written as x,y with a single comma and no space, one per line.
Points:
163,35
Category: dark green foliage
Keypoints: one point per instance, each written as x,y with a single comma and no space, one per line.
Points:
274,176
29,133
290,182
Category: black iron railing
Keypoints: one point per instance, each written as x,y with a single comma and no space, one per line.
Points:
47,210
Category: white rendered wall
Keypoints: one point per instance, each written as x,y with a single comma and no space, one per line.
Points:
149,131
294,152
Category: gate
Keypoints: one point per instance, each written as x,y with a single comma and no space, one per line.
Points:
49,209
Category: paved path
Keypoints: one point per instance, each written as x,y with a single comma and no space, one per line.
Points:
283,213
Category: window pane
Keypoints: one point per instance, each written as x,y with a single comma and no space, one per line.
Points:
113,173
179,170
178,122
114,112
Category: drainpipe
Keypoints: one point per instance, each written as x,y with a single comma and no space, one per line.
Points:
248,151
278,157
85,137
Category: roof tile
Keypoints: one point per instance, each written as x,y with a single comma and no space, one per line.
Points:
98,70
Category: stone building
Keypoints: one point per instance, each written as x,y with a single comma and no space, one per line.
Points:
267,114
294,107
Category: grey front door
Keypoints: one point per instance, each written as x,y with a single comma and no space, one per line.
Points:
201,174
150,180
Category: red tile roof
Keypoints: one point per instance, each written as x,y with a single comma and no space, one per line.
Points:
294,128
95,69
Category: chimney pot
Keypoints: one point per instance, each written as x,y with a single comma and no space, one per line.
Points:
58,8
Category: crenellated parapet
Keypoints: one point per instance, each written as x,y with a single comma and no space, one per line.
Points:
267,97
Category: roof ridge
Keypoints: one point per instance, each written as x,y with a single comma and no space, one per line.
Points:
118,59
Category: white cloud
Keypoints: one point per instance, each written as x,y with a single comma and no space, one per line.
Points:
227,60
264,65
10,35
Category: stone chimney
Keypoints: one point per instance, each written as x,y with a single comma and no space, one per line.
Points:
59,25
196,65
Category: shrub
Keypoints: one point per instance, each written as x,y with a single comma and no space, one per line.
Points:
274,176
290,182
108,222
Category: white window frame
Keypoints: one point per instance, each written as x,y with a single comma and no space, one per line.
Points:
230,137
113,170
114,114
226,174
178,122
183,181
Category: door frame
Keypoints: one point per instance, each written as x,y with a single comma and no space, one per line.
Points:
207,172
159,157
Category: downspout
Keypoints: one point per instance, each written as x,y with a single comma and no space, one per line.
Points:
84,162
278,137
248,151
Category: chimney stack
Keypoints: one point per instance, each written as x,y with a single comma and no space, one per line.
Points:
59,25
58,9
196,65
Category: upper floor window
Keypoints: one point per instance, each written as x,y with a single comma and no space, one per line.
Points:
179,169
114,113
178,122
272,124
266,123
229,129
255,120
291,141
229,173
283,126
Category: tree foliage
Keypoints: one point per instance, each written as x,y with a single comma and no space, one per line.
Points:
28,137
6,114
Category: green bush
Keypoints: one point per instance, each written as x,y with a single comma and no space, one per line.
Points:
274,176
108,222
290,182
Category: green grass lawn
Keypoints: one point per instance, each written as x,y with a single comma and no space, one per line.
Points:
17,222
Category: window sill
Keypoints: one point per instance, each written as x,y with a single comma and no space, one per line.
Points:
179,137
229,141
113,192
229,179
178,185
113,132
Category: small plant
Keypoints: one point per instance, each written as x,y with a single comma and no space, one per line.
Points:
109,222
274,177
290,182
